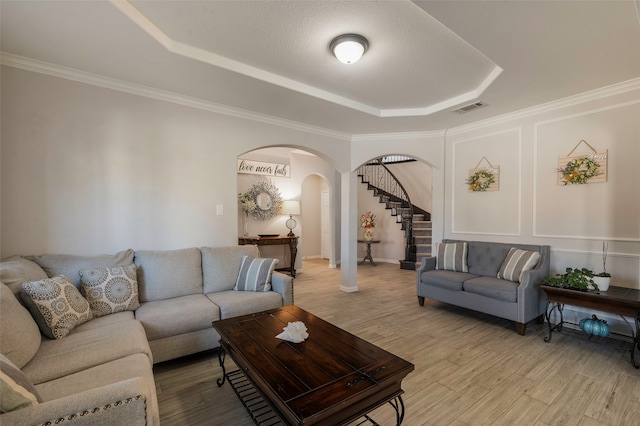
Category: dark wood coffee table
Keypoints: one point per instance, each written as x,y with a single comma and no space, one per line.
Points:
332,378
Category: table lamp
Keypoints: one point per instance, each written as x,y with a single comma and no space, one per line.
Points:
290,207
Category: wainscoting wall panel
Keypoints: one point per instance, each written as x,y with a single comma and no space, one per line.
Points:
491,212
599,211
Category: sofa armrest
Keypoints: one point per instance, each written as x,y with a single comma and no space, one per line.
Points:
427,264
529,288
119,403
283,284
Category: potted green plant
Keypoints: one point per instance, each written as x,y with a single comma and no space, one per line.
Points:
575,279
603,278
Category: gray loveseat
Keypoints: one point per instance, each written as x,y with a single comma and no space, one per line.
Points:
102,371
480,288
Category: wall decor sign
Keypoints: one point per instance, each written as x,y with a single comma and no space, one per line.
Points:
588,167
483,179
261,168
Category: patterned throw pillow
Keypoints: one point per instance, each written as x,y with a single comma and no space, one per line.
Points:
516,262
56,305
452,257
255,274
15,389
110,290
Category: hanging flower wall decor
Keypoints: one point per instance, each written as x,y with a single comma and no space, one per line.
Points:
580,170
480,180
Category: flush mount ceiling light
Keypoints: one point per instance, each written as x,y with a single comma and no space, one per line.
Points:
349,48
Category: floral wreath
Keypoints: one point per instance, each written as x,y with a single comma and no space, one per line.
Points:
580,170
480,180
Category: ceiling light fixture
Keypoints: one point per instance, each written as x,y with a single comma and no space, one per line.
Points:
349,48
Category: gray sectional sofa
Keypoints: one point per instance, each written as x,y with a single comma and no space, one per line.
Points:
101,373
518,299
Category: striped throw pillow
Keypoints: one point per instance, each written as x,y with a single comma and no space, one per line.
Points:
15,389
255,274
516,262
452,257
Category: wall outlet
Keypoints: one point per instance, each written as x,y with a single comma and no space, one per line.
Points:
219,210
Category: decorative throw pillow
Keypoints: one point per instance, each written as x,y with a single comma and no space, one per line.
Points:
15,389
56,305
255,274
516,262
110,290
452,257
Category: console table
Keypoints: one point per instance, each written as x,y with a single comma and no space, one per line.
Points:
292,242
616,300
368,256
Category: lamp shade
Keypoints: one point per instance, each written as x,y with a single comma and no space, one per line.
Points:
349,48
290,207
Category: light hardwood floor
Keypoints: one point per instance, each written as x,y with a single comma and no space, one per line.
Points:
470,368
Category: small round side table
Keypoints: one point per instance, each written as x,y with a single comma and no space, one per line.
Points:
368,256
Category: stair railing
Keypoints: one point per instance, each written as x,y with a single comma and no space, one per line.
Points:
376,174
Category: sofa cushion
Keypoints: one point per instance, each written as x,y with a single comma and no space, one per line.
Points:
56,305
110,290
446,279
452,257
19,333
516,262
85,348
164,318
236,303
16,391
106,320
16,270
69,265
492,287
220,266
165,274
255,274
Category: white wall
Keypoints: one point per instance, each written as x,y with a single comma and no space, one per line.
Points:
312,188
531,207
92,170
417,181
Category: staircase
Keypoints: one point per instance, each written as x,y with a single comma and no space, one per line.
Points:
421,238
414,220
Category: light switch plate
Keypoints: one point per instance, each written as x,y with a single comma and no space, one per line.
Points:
219,210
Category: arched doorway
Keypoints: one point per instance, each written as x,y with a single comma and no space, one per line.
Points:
309,176
397,189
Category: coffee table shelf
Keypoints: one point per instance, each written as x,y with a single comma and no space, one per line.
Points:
259,409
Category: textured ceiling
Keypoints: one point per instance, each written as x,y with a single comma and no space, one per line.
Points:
272,58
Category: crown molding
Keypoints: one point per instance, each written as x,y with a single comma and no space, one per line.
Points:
41,67
592,95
